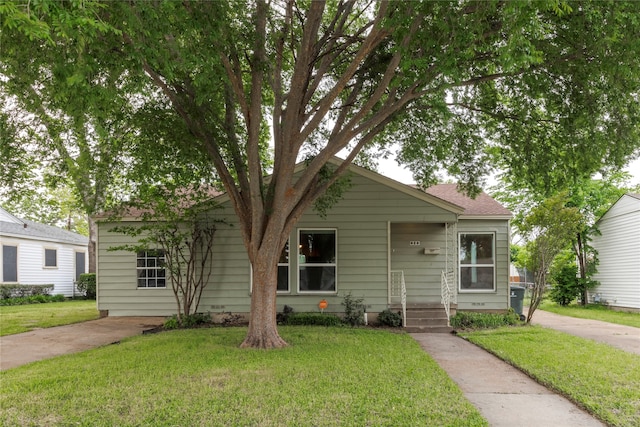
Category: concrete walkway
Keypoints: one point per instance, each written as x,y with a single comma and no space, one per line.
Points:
626,338
40,344
503,395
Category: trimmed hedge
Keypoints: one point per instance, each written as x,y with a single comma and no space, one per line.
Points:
12,290
33,299
319,319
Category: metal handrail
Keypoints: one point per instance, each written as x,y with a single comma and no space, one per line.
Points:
397,285
447,295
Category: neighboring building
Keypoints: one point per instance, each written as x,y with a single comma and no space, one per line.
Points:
38,254
378,234
618,246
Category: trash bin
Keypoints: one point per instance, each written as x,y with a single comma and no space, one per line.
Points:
517,298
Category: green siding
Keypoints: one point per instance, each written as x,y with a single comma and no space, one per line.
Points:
361,219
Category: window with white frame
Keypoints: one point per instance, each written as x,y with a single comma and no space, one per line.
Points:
317,250
283,270
150,268
477,262
50,258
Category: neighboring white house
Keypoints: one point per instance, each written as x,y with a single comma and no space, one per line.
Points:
38,254
618,248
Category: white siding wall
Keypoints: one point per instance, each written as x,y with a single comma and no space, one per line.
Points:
619,253
31,269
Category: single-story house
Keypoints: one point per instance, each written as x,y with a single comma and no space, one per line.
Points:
618,246
380,238
39,254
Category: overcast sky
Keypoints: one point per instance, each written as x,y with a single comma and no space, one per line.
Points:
389,168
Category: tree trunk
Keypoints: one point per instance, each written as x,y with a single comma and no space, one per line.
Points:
263,330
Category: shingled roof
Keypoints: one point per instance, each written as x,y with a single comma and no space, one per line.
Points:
483,205
36,231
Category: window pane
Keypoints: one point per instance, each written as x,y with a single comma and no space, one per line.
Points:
476,249
476,278
283,278
9,263
50,256
318,278
318,247
284,256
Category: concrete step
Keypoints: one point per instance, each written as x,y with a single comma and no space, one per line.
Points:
429,329
426,322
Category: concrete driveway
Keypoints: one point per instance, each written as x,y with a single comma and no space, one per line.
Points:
626,338
20,349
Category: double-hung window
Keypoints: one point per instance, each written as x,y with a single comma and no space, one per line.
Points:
151,271
477,262
317,250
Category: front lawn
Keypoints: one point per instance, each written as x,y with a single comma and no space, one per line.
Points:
24,318
593,312
327,377
602,379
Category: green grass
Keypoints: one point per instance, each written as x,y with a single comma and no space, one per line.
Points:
593,312
24,318
603,380
328,377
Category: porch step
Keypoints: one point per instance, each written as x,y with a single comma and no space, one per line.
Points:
426,317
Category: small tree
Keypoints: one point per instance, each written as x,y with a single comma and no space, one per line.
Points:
548,230
566,283
185,234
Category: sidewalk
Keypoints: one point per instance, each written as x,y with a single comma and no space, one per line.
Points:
40,344
503,395
626,338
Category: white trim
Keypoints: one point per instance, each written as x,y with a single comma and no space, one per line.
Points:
44,258
300,265
156,268
494,265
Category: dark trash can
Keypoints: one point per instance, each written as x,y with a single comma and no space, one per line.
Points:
517,299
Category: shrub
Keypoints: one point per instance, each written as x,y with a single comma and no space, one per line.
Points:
319,319
19,291
390,318
87,285
282,318
187,321
471,320
32,299
353,310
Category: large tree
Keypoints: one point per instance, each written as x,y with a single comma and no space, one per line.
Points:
542,85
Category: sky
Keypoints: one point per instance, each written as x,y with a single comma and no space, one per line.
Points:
389,168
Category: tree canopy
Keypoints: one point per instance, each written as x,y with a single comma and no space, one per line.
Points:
548,90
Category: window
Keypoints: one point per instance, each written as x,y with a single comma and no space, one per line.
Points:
80,264
317,260
50,258
477,262
9,263
283,270
151,272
